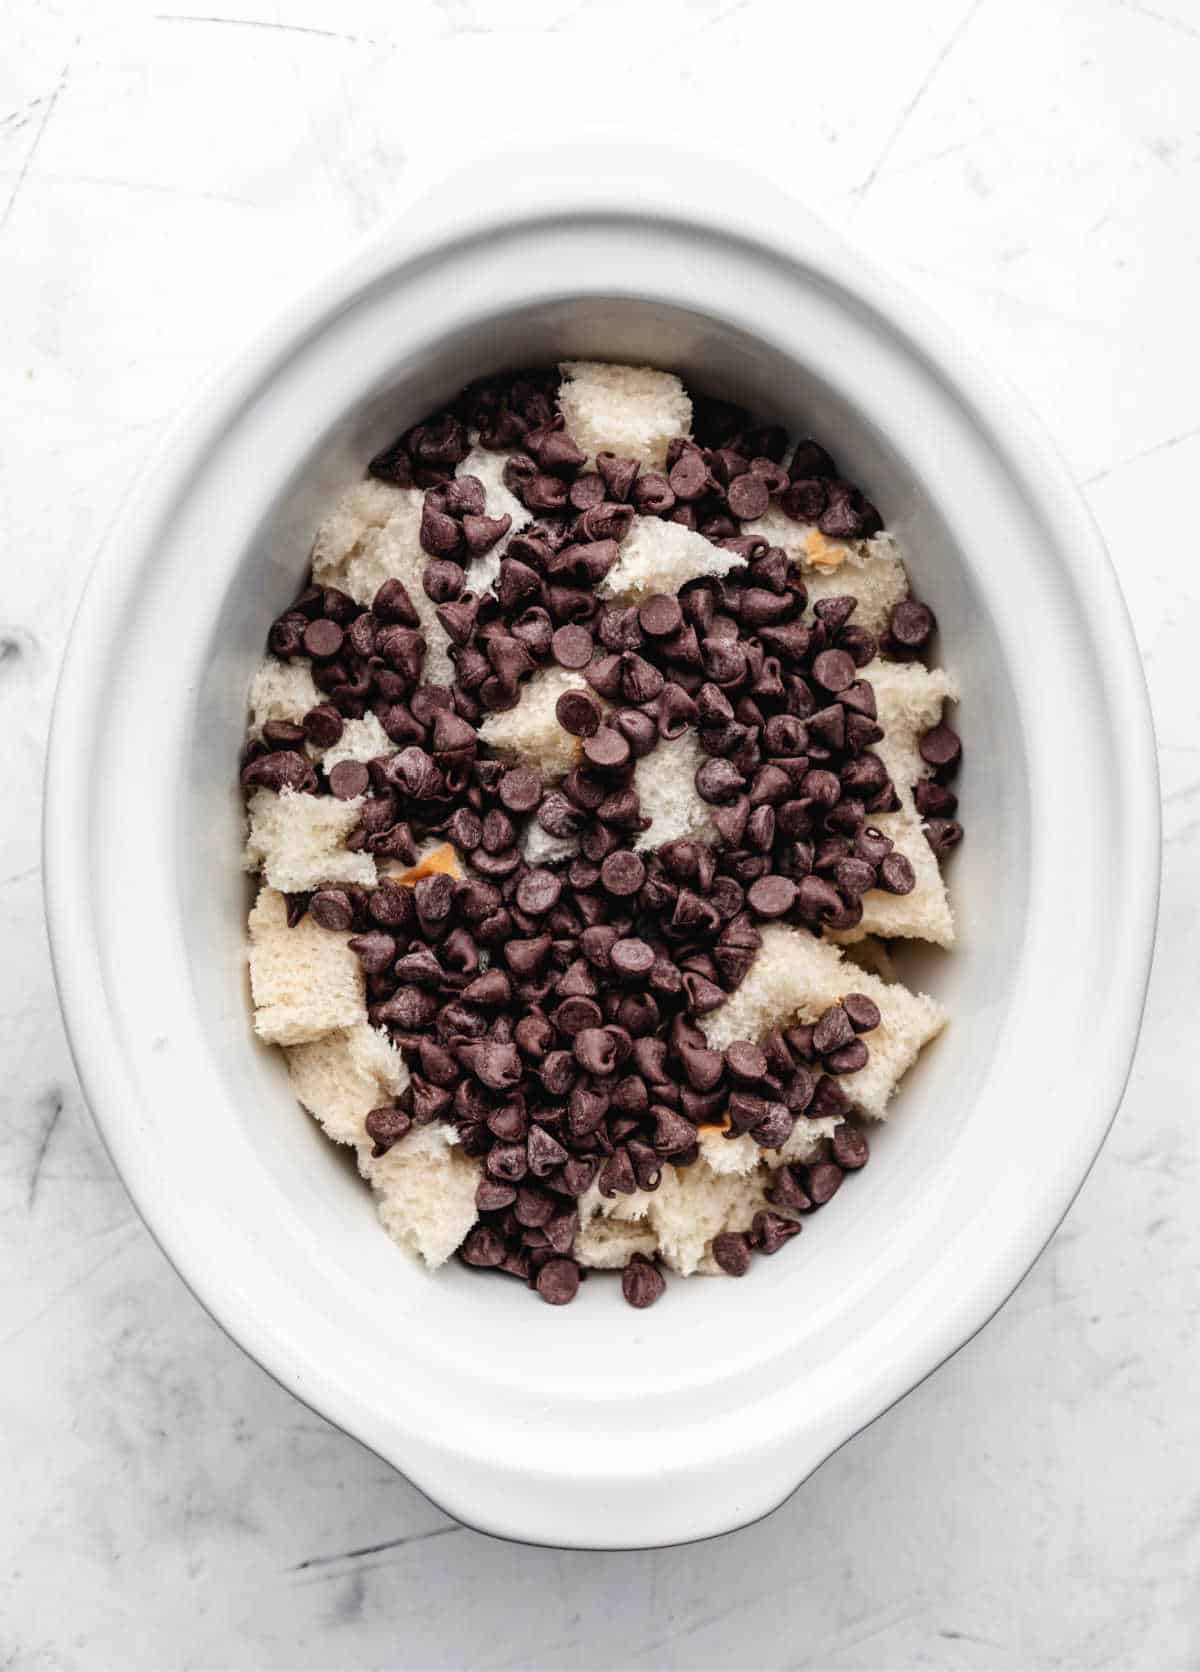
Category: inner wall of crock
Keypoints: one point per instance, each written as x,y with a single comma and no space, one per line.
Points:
305,1174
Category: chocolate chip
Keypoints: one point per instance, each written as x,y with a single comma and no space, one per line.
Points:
520,790
940,747
817,899
622,873
746,1062
386,1127
572,646
822,1180
641,1282
641,681
689,474
832,1029
332,909
586,491
545,1152
660,615
731,1251
638,730
834,670
282,734
480,533
483,1246
934,800
323,639
850,1147
673,1133
862,1011
847,1059
911,623
854,877
769,1231
805,499
631,958
896,874
702,1066
323,726
787,1192
775,1128
605,521
604,676
578,713
558,1282
772,897
538,892
718,781
848,515
943,834
375,951
497,1066
607,749
703,995
282,769
617,1176
493,1196
349,779
653,494
618,474
748,496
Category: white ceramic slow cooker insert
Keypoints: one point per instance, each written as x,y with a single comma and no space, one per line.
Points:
595,1424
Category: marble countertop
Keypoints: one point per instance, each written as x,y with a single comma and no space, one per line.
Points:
170,175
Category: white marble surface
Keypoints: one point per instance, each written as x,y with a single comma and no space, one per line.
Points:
167,176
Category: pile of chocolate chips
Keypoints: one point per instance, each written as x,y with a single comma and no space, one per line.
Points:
549,1012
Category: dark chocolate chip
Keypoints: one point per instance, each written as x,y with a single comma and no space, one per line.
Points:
911,623
572,646
558,1282
349,779
578,713
862,1011
731,1251
386,1127
896,874
641,1282
660,616
850,1147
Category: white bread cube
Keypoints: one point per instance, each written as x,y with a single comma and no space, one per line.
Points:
425,1191
743,1155
297,841
869,570
499,502
794,977
665,781
692,1205
632,411
361,740
909,700
922,914
658,556
360,508
873,955
530,734
281,691
305,981
388,551
608,1244
341,1077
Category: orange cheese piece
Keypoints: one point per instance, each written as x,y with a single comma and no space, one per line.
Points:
823,553
442,859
